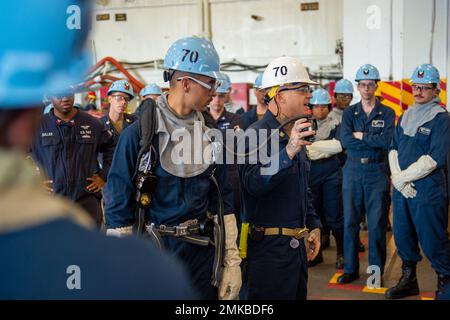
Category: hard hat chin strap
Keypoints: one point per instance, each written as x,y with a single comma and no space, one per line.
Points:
168,75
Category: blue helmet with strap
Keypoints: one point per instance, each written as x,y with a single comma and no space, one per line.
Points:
258,81
151,88
225,83
121,86
426,74
320,97
193,55
367,72
42,50
343,86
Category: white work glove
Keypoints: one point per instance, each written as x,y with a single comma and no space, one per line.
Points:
331,147
393,162
231,281
120,232
406,189
316,155
418,170
324,149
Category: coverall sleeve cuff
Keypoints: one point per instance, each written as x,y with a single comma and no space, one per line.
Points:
103,175
312,224
365,137
285,161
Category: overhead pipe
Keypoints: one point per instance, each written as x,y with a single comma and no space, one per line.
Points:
207,19
137,85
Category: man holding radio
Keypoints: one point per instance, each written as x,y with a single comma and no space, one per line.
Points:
277,205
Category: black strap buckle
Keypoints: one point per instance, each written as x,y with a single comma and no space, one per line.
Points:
257,233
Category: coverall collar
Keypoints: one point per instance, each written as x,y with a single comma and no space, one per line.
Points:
377,110
273,123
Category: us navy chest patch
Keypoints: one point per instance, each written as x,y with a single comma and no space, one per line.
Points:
424,131
86,134
377,123
226,125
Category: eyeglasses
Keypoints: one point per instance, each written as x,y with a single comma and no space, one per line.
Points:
421,88
120,98
320,106
212,87
220,95
367,85
61,97
343,96
302,89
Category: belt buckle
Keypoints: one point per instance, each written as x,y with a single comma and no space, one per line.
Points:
364,160
181,231
300,232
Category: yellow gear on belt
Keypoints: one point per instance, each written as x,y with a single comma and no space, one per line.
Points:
243,240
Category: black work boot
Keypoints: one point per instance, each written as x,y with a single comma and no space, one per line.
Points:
347,278
407,285
339,237
443,287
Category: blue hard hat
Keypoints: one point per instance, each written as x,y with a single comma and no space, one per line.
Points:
225,83
121,86
343,86
151,88
367,72
426,73
193,55
42,49
320,97
258,81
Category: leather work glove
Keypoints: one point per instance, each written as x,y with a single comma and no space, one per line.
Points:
406,189
231,281
316,155
393,162
120,232
331,147
417,170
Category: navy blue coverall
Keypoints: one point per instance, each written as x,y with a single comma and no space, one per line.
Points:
35,261
175,200
128,119
248,118
366,181
68,152
424,219
275,269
